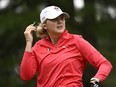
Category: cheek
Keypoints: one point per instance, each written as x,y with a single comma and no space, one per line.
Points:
64,22
51,26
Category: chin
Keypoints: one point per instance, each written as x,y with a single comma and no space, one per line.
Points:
61,31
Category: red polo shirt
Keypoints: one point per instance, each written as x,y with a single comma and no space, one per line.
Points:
62,65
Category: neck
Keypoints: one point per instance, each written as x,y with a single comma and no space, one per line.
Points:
54,40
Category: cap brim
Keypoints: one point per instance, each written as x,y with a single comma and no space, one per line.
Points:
66,15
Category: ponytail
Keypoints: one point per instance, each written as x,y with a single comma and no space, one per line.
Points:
41,32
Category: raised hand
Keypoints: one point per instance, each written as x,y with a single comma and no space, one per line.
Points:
29,37
29,33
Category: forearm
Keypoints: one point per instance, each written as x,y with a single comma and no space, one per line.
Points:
28,46
103,71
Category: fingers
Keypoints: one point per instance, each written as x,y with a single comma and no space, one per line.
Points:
94,82
28,33
33,23
30,28
94,85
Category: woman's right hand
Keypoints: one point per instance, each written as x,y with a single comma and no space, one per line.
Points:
28,33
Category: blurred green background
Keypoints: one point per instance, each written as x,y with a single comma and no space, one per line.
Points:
95,20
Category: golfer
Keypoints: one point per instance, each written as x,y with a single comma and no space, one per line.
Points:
59,57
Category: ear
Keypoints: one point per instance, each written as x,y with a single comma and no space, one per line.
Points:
44,26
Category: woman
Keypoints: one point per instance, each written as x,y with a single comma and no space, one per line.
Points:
59,57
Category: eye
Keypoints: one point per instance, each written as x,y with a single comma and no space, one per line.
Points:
62,17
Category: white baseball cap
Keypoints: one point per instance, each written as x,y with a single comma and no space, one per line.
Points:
51,12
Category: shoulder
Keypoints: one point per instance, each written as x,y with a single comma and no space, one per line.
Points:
77,37
79,40
37,44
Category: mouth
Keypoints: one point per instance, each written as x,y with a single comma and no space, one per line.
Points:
59,27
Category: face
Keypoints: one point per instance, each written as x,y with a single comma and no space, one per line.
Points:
55,26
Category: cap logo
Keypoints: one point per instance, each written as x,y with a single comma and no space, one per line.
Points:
56,8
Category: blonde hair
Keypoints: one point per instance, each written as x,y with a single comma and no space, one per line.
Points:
41,32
